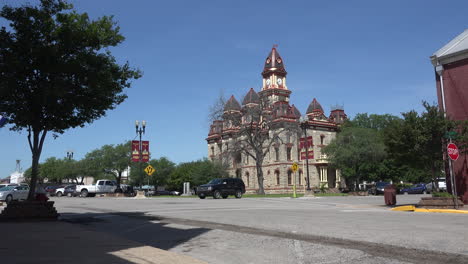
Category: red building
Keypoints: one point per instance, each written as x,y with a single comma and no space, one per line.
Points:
451,71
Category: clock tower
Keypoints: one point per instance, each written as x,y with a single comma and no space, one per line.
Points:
274,87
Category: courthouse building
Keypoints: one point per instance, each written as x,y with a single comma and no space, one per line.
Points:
273,97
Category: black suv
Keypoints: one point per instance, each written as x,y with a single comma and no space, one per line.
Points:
222,188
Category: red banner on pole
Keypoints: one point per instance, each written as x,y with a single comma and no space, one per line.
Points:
135,150
309,144
145,151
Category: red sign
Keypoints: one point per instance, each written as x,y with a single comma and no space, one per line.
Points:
145,151
452,151
135,150
303,144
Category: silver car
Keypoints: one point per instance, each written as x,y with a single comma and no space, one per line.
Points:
10,193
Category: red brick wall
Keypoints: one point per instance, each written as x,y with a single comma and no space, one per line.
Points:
455,77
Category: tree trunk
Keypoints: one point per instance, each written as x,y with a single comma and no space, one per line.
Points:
36,149
119,179
258,164
434,180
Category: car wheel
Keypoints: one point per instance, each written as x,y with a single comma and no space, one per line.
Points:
202,196
238,194
84,193
8,199
59,194
69,195
225,196
216,195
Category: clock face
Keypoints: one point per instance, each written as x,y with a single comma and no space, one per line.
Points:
268,81
279,81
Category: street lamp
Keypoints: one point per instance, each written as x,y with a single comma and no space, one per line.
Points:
70,154
140,129
304,126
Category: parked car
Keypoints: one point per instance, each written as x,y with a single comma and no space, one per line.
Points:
51,189
69,190
10,193
222,187
440,182
417,188
101,186
175,193
378,188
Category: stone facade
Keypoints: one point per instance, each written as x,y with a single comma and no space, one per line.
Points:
291,144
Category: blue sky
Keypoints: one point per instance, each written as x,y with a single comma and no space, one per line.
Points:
371,56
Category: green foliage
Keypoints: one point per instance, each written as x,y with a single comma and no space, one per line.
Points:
196,172
357,152
442,194
373,121
416,143
110,160
323,188
163,169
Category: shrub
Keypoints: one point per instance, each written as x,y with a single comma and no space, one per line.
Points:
442,194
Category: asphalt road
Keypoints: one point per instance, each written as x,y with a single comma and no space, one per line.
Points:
279,230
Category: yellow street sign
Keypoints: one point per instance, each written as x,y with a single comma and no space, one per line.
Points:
149,170
294,167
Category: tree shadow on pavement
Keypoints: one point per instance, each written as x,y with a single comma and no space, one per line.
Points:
95,238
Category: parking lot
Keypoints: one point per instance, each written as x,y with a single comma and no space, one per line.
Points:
278,230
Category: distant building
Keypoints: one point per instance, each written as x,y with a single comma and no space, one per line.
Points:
17,177
274,98
451,72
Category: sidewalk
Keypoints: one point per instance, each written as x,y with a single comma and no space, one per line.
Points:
60,242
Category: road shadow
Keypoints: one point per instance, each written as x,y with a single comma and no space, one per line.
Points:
136,226
95,238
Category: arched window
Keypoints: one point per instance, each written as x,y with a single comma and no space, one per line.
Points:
277,174
276,153
247,178
300,177
288,152
290,177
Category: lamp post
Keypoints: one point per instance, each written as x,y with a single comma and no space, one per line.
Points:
140,129
304,125
70,154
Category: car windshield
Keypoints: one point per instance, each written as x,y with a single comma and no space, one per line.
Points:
382,184
7,188
215,181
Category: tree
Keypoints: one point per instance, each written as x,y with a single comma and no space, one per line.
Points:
163,168
111,159
56,71
52,170
358,152
373,121
416,141
196,172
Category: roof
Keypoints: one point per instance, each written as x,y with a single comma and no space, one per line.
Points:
455,46
295,111
314,107
232,105
274,62
251,98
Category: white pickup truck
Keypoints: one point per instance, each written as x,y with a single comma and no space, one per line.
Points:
101,186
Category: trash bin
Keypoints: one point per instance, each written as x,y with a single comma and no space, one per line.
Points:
390,194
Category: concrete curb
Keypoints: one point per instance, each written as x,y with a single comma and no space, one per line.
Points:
412,208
